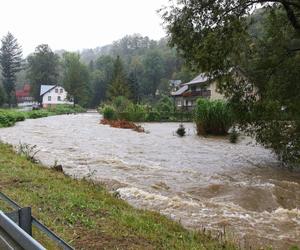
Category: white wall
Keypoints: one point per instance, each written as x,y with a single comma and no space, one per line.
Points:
54,97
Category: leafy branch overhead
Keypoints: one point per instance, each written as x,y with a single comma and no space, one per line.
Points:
260,40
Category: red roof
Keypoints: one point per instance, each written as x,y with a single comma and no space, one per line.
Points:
25,92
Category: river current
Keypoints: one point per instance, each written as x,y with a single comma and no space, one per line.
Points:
201,182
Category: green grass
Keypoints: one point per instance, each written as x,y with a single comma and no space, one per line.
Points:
86,215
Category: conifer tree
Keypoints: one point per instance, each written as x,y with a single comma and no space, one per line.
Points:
10,61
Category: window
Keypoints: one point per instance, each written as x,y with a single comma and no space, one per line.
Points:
56,90
61,90
49,98
59,98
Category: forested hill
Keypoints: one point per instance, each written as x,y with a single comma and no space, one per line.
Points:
148,64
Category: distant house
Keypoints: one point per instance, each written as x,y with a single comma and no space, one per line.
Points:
201,86
24,97
52,95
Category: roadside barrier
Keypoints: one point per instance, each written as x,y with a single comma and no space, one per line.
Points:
16,229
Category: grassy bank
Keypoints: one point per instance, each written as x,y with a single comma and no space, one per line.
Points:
8,117
86,215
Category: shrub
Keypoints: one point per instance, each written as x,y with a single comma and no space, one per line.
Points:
37,114
5,121
66,109
109,112
9,118
165,105
213,117
152,116
121,103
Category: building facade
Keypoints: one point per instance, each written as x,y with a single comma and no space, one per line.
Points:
200,87
52,95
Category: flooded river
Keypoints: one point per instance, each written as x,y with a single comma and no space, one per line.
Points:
201,182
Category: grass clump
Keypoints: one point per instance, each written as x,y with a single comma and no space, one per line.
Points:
213,117
86,215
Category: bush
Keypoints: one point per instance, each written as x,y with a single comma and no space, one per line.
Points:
66,109
109,112
5,121
181,130
152,116
9,118
213,117
37,114
121,103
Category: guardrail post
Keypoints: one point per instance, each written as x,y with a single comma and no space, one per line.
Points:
25,220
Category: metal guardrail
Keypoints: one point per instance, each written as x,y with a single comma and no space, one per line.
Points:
24,221
14,237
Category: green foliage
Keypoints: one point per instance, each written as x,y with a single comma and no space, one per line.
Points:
37,114
213,117
66,109
2,96
124,109
119,85
10,61
43,68
165,104
9,118
109,112
76,79
263,49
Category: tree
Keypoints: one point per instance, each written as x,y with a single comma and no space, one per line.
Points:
2,96
43,68
98,85
133,87
205,31
76,79
154,70
119,85
10,60
218,36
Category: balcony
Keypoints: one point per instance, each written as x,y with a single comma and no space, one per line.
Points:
197,93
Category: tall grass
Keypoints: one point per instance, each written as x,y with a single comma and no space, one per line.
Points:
213,117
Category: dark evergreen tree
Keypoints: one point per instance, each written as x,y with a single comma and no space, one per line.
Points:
76,79
10,60
119,85
43,68
133,87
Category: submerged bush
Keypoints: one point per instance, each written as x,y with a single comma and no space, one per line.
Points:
181,130
213,117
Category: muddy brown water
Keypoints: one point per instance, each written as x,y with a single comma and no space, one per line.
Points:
201,182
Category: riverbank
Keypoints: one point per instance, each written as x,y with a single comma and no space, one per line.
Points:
86,215
9,117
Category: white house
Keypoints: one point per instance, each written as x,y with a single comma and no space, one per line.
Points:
52,95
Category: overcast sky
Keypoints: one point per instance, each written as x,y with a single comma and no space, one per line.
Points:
78,24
